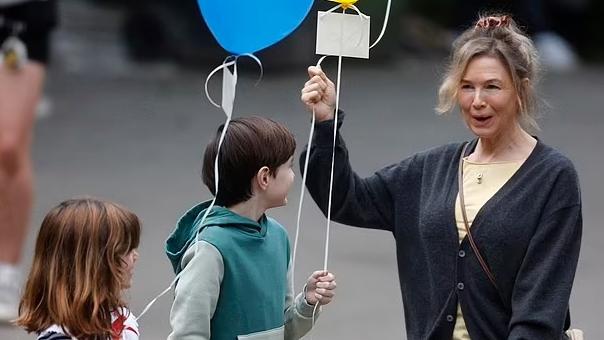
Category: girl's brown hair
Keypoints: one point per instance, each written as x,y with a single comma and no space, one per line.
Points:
78,271
497,36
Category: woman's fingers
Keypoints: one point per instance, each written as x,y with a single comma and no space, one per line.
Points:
315,71
316,80
313,87
313,91
312,97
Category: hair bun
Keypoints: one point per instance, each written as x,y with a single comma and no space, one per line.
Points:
493,22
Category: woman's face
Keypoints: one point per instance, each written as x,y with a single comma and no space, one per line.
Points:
129,261
487,98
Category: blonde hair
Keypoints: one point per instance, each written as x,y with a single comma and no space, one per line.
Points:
78,272
496,36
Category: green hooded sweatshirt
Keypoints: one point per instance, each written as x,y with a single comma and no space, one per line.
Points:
252,261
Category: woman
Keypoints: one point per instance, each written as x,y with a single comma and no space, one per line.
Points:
521,200
25,27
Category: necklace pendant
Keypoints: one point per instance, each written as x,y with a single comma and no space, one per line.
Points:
13,53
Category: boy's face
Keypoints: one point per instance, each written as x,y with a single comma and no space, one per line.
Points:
279,185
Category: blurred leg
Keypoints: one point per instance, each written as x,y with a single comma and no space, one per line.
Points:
19,94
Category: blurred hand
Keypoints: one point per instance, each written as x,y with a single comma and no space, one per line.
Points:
319,93
320,288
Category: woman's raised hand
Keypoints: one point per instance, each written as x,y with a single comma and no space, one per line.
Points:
319,93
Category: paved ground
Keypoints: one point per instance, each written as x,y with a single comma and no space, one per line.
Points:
135,134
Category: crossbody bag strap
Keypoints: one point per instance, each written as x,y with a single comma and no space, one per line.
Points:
462,204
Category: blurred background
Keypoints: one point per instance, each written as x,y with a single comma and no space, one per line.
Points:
124,118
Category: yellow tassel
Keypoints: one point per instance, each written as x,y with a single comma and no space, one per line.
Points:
345,3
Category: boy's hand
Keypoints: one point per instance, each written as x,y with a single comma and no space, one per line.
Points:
320,288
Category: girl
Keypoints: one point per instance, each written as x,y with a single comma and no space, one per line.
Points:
84,259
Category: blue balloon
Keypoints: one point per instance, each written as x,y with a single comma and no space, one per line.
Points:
247,26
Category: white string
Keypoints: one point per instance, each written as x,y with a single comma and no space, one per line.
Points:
205,215
386,17
330,10
227,63
333,152
333,156
160,295
335,131
216,180
361,14
257,62
314,312
384,25
220,140
302,189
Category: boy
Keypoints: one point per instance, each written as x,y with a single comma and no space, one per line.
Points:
235,281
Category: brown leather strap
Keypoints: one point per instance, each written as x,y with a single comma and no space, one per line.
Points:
462,204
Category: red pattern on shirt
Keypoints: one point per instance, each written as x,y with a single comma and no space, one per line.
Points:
118,327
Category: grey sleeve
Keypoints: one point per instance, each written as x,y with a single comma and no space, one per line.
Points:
196,293
298,313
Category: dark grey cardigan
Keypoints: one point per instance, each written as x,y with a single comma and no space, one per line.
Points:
529,233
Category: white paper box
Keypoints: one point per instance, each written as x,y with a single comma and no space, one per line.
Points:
343,34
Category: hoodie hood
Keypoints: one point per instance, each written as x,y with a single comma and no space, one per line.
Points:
184,234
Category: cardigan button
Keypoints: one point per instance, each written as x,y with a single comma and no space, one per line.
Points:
461,253
460,286
450,318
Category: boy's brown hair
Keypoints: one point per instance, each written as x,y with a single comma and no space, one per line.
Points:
249,144
78,272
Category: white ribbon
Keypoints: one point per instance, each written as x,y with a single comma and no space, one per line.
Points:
302,190
364,16
335,131
333,152
228,97
228,62
386,18
361,17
